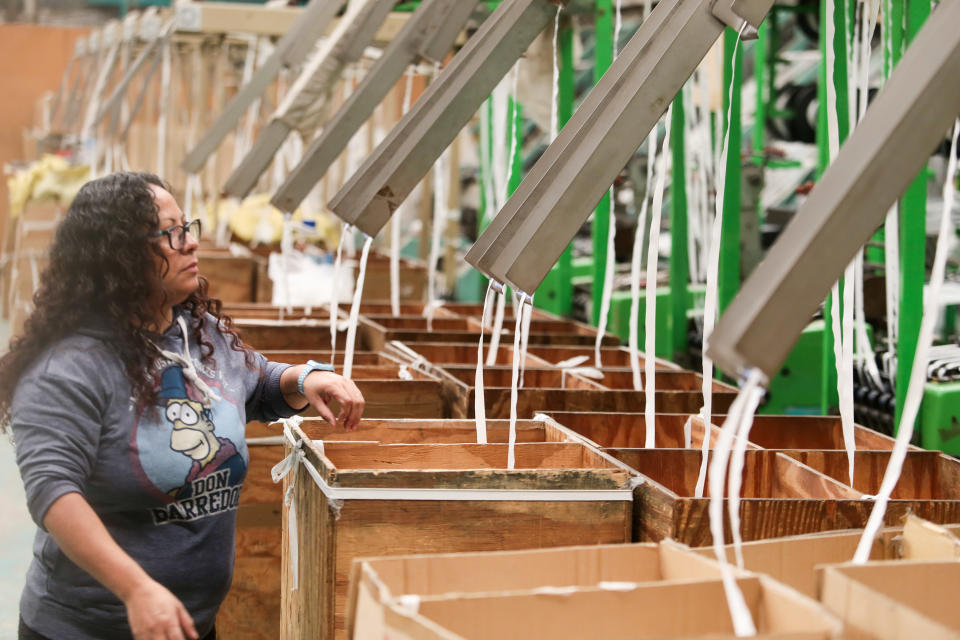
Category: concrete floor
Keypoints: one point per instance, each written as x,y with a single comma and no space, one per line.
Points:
16,528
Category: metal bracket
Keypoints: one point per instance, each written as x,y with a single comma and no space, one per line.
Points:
292,48
879,159
389,174
309,94
555,198
433,27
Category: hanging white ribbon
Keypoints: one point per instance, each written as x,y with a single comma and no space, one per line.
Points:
397,219
480,407
918,378
713,272
742,406
518,330
572,366
653,256
355,310
335,293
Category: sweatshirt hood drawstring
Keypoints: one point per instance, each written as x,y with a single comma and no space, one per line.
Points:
189,368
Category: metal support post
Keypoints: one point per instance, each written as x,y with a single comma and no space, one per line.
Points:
556,293
679,250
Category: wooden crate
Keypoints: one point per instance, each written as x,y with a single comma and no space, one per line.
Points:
413,279
812,432
628,430
533,377
270,335
232,278
780,497
377,335
929,484
617,357
533,401
334,532
622,378
325,355
445,353
251,610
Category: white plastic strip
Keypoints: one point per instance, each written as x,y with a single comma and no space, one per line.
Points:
735,471
739,612
636,259
653,256
713,272
555,79
918,377
355,310
606,293
845,388
480,406
864,349
517,332
335,293
440,185
497,328
525,341
397,219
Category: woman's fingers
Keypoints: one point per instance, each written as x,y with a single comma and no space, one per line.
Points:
186,623
334,387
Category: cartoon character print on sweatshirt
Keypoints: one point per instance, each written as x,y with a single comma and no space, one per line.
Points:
193,458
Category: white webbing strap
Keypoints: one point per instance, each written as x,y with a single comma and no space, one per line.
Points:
742,406
417,361
479,406
335,293
355,310
397,219
517,331
497,327
430,310
650,319
606,294
525,340
713,273
918,377
189,368
572,366
735,471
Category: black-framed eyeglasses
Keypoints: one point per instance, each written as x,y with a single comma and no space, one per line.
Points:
177,235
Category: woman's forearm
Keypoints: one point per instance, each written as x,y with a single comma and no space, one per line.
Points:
81,535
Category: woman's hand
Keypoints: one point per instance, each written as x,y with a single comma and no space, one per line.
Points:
322,387
156,614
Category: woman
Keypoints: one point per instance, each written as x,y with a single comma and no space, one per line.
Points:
127,395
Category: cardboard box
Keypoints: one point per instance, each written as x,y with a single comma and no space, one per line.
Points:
376,582
894,600
685,609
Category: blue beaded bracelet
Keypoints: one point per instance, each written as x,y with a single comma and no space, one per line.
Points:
312,365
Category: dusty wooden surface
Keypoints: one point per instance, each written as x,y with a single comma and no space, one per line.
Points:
628,430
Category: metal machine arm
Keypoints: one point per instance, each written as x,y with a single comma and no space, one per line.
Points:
558,194
430,33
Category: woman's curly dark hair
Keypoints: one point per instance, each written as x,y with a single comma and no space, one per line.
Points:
102,272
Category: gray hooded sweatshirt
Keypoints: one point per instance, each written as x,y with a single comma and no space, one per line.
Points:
165,480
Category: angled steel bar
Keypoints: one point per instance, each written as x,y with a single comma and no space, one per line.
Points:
291,50
556,197
387,176
111,39
306,101
430,32
167,33
78,53
121,87
88,63
874,167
